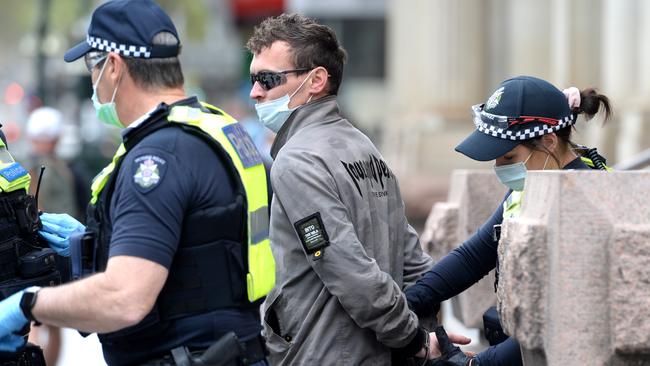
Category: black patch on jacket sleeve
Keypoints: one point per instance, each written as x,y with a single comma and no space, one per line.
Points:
312,234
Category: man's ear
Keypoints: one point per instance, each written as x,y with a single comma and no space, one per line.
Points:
115,68
318,84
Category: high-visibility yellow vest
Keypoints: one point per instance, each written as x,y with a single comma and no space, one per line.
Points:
512,205
230,135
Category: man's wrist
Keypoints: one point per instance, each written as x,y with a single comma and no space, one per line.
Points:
27,302
416,344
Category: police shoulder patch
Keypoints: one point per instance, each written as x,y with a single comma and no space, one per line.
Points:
149,170
312,234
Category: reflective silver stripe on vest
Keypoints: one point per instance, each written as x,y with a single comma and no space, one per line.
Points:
259,224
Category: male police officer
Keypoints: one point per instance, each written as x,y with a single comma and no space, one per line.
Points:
180,216
337,218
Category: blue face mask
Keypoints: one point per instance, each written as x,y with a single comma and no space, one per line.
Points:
106,112
513,176
274,113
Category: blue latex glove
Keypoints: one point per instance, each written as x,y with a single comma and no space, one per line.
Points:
57,230
12,321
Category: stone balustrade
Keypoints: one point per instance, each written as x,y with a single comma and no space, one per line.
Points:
574,287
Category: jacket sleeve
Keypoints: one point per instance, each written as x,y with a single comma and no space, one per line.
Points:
458,270
305,187
416,261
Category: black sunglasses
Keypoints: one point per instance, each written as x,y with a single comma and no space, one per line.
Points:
270,79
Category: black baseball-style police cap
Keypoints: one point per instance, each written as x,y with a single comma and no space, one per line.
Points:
127,27
520,109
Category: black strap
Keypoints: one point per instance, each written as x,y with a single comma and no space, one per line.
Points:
165,51
253,351
181,356
496,236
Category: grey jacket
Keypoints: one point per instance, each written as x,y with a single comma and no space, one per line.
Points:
343,247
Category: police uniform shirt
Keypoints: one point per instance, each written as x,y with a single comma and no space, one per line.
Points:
168,173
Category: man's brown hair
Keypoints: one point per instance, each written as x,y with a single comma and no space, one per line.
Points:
312,44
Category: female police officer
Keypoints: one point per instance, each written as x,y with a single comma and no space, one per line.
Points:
525,124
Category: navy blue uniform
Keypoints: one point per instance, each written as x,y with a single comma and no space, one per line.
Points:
166,176
462,268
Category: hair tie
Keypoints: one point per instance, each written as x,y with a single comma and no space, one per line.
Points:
572,95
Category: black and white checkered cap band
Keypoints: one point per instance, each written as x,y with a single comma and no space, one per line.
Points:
523,133
122,49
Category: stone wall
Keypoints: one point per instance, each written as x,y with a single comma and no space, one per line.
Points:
575,282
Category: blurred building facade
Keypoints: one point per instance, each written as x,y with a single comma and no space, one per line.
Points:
415,67
446,55
443,56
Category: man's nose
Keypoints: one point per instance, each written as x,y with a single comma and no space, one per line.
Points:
257,92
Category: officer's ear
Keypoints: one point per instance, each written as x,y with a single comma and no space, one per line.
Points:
550,142
318,84
115,68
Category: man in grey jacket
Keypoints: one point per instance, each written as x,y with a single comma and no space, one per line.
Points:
343,247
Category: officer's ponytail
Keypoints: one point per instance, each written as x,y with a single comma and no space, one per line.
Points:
591,102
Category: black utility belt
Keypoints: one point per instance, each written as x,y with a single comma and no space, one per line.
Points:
227,351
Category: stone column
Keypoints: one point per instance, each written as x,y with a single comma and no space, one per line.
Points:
435,73
561,41
575,266
636,136
528,32
625,57
576,55
575,44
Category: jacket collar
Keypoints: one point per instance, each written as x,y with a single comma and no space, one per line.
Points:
319,111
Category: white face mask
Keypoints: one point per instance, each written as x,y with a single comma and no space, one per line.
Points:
274,113
513,176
